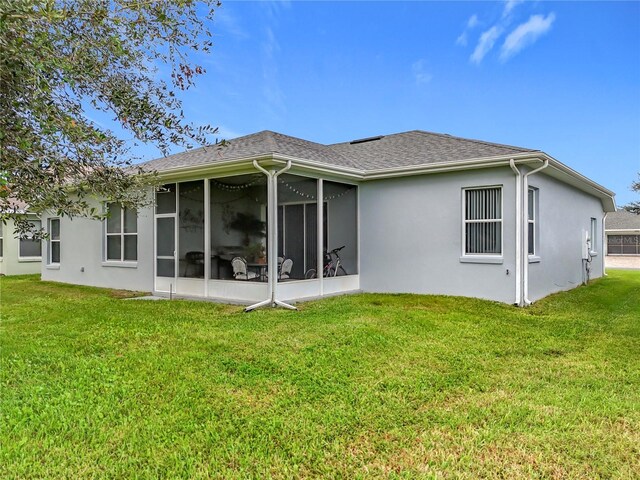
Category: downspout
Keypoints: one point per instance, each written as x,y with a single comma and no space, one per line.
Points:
518,275
272,236
525,243
604,244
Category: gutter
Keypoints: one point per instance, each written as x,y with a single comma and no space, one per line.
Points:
497,161
357,174
561,167
604,244
273,158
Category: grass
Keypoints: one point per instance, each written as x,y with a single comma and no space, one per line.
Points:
365,386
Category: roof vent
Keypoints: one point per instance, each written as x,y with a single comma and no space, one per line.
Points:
364,140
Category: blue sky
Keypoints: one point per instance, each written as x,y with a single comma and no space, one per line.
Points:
563,77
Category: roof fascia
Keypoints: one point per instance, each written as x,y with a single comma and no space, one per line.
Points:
320,168
563,173
568,175
484,162
242,165
238,166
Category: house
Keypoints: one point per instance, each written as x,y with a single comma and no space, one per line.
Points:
19,256
622,230
415,212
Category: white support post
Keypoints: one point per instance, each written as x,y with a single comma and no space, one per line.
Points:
272,236
207,236
272,232
176,238
320,228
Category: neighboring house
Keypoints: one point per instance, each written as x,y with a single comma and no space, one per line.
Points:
416,212
622,230
19,256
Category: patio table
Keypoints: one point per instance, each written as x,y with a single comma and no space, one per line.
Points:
260,269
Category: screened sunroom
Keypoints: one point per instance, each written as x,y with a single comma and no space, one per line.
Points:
214,237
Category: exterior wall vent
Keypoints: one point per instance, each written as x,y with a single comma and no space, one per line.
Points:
364,140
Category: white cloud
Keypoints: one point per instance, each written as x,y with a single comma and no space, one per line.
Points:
526,34
419,74
462,39
271,87
229,23
275,8
509,5
485,44
227,133
274,98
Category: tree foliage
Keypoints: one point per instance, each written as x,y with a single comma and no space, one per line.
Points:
61,59
634,206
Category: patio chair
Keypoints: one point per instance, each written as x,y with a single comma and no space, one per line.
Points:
195,264
240,272
285,270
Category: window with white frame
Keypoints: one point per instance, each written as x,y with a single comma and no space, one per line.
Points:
1,241
121,229
483,221
54,241
30,246
593,234
532,219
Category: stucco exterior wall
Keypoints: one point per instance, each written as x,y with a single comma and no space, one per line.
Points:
411,236
564,215
10,261
410,240
82,255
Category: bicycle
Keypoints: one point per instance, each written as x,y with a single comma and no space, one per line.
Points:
332,265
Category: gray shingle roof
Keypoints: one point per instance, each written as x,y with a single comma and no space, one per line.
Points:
397,150
419,148
261,143
622,220
12,205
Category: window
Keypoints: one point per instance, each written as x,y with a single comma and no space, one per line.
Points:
623,245
1,240
122,234
532,219
54,240
483,221
30,247
593,234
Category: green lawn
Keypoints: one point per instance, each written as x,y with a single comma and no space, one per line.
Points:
365,386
